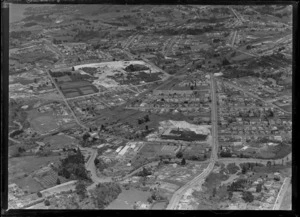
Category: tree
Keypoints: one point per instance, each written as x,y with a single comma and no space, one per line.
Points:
248,197
80,189
146,118
244,169
140,121
225,62
230,194
269,164
58,181
179,154
214,192
39,194
96,161
47,203
146,128
150,200
183,162
258,188
85,136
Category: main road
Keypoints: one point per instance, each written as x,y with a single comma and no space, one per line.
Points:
66,102
281,193
214,155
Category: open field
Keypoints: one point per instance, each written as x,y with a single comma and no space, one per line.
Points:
127,199
179,175
44,124
20,169
19,166
131,116
60,141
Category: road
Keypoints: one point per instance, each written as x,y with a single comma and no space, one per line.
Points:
255,96
287,158
173,204
169,46
90,166
238,16
20,128
280,196
66,102
233,39
129,41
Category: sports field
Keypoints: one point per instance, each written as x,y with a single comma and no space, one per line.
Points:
44,124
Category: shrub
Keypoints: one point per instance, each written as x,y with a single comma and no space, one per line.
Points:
248,197
47,203
179,154
39,194
105,193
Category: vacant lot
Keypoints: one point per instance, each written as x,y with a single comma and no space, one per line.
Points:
179,175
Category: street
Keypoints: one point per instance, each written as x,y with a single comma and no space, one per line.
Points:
214,155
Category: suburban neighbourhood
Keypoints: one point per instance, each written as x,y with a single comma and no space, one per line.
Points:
153,107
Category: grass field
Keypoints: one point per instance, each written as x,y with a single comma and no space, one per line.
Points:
20,168
127,199
44,124
59,141
131,116
149,152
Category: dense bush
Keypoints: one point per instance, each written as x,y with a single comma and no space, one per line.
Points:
47,203
39,194
73,164
105,193
100,164
248,197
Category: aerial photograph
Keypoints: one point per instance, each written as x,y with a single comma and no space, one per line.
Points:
152,107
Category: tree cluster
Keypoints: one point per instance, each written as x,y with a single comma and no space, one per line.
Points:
73,166
105,193
144,119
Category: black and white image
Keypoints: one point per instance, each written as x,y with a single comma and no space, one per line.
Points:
153,107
